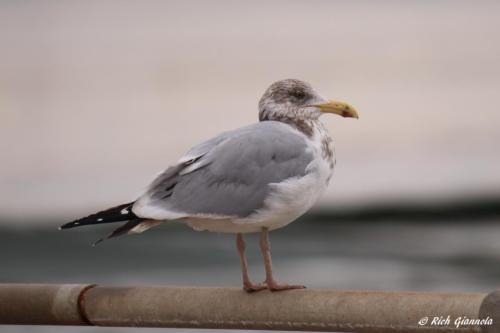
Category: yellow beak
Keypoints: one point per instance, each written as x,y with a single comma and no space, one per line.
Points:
340,108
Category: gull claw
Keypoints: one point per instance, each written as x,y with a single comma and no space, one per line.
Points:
254,287
274,286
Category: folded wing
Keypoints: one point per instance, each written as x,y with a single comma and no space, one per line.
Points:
229,175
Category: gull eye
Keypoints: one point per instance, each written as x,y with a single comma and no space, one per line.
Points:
298,94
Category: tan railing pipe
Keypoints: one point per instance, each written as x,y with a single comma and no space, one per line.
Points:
227,308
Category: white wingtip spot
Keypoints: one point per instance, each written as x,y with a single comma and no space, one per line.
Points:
124,211
60,228
99,220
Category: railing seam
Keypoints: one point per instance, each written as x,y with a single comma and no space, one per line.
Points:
81,304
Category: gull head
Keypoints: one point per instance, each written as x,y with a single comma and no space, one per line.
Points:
292,98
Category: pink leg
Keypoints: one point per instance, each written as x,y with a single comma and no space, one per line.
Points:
265,247
248,286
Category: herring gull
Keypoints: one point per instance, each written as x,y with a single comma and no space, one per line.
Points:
256,178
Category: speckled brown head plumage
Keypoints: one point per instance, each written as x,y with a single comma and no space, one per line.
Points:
290,98
297,99
295,102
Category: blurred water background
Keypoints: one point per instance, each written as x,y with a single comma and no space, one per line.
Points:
96,97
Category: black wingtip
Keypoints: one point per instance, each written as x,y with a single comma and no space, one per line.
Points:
122,230
119,213
69,225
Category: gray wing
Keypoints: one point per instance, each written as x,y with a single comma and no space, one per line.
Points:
230,174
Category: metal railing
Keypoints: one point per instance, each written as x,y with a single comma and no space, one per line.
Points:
227,308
